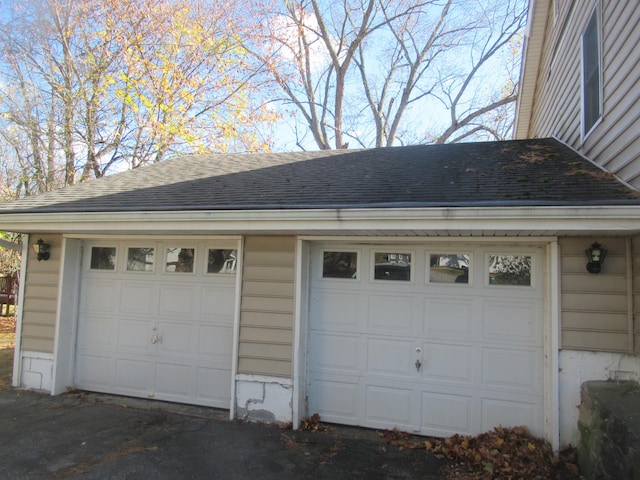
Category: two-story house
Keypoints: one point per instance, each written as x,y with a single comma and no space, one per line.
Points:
580,84
452,298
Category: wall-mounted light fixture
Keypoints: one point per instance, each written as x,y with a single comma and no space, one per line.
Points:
42,250
595,254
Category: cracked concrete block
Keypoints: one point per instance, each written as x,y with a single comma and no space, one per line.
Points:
264,400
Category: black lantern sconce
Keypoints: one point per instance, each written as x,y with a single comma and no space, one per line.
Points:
595,255
42,250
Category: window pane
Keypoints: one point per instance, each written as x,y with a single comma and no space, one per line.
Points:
392,266
221,261
180,260
449,268
103,258
510,270
140,259
340,265
591,73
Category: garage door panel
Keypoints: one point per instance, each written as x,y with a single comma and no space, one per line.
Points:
154,334
391,314
449,319
523,370
512,321
394,358
134,336
509,413
389,405
215,342
336,311
213,386
95,370
175,338
176,300
97,332
131,376
338,354
335,401
99,297
174,380
446,414
427,357
217,304
448,362
137,299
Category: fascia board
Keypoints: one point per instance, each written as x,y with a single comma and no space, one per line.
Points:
528,219
529,70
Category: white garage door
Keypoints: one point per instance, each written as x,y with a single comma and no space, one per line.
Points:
435,340
156,320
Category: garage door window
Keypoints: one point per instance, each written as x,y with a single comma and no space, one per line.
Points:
140,259
103,258
392,266
449,268
510,270
180,260
340,265
222,260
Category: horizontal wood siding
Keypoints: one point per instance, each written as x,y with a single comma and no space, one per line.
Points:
615,141
636,293
595,312
267,306
41,297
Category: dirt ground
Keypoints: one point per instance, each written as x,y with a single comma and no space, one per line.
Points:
7,343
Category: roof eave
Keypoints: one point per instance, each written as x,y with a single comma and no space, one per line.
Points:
546,220
529,69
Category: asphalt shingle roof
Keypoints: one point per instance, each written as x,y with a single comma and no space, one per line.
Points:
536,172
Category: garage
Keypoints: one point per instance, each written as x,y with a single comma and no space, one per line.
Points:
156,319
432,339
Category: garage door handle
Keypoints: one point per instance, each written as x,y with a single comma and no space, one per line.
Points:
418,364
155,339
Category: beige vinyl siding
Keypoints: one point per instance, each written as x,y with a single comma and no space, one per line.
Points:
556,108
40,297
636,293
267,306
615,142
595,307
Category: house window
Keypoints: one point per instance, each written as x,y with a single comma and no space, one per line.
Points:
140,259
222,261
591,75
449,268
511,270
340,265
180,260
392,266
103,258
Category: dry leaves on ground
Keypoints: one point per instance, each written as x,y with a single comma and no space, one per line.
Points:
312,424
503,453
7,331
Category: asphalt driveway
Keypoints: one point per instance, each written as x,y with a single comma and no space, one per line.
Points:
90,436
